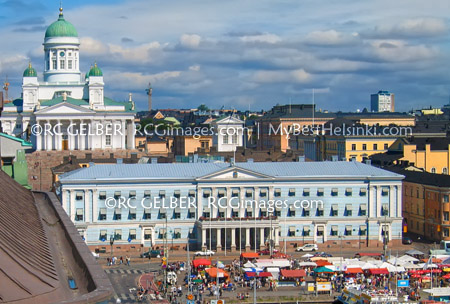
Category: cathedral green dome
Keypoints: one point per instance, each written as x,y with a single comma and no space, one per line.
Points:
95,71
30,71
61,28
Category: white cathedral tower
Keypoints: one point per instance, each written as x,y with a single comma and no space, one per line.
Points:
66,98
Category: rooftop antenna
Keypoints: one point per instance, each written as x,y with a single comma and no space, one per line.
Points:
313,104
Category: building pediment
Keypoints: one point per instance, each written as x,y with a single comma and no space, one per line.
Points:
235,173
228,120
64,108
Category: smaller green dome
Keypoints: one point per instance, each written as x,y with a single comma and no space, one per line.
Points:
30,71
86,76
95,71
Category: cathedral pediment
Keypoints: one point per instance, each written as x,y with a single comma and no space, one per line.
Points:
64,108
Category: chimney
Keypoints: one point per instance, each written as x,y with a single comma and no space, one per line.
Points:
368,162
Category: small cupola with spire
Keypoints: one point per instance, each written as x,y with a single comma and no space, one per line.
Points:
96,85
30,89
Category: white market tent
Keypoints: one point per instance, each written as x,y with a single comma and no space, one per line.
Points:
307,264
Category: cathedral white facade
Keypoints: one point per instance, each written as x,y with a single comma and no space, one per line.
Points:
68,110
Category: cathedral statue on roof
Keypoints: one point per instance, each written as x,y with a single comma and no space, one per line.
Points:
67,110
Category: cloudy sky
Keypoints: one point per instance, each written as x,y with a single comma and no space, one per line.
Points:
246,53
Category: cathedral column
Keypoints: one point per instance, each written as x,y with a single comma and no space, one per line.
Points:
72,205
58,139
219,238
70,136
123,134
247,239
204,238
94,205
38,137
261,237
233,239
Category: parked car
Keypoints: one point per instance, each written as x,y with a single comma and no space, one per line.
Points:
308,247
152,254
323,255
406,240
266,251
204,253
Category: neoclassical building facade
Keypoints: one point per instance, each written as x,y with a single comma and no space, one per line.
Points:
63,109
238,206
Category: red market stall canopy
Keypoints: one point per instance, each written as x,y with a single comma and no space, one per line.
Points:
434,261
249,255
201,262
378,271
296,273
263,274
354,270
213,272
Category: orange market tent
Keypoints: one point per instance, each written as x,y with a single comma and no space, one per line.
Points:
213,272
249,255
201,262
321,263
354,270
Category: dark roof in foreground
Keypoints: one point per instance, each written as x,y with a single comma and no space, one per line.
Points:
424,178
40,249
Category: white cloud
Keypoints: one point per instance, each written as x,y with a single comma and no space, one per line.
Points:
264,38
190,41
194,68
330,37
400,51
296,76
137,81
416,27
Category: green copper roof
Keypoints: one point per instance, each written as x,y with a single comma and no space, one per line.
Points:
54,101
61,28
30,72
22,141
95,71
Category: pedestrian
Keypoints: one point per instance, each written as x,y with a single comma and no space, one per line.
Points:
128,260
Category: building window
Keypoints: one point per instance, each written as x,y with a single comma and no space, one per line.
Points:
306,192
334,230
69,64
362,211
61,64
103,235
132,214
446,232
334,212
348,230
319,212
446,218
54,67
386,146
305,212
191,214
225,139
236,213
319,231
108,140
147,214
445,198
364,147
102,215
206,214
433,170
353,147
348,211
263,213
305,232
234,139
375,147
291,192
249,213
291,213
117,215
221,214
118,234
348,192
384,191
444,170
320,192
132,235
176,215
362,192
79,214
362,230
79,196
384,211
177,234
334,192
277,193
162,215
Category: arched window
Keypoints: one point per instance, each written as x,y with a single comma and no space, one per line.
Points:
433,170
444,170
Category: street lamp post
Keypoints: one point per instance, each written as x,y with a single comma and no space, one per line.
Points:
111,242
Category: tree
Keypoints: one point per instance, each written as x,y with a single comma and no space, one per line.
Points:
203,108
